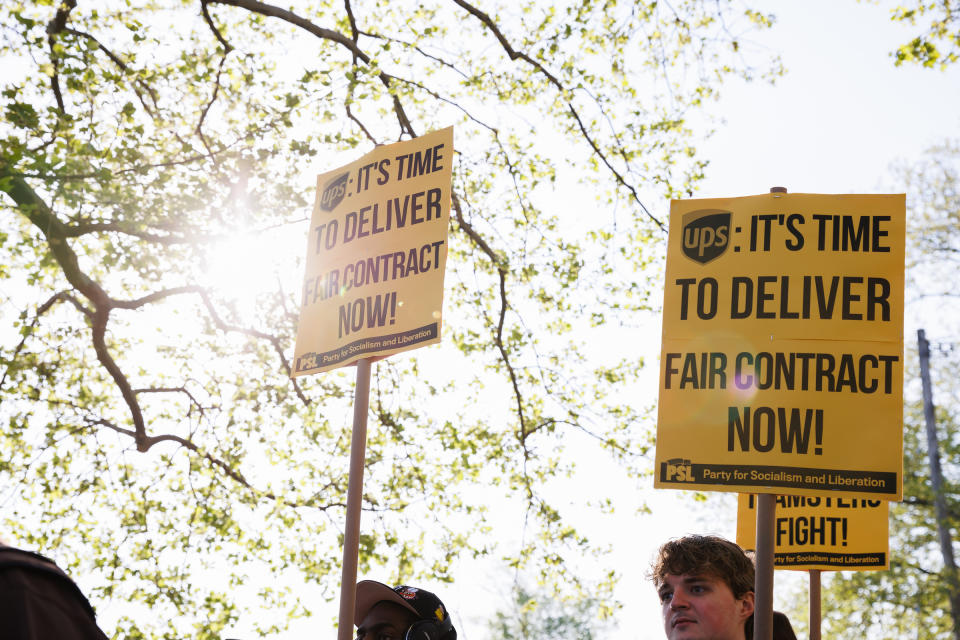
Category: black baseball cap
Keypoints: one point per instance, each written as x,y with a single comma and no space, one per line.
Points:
421,603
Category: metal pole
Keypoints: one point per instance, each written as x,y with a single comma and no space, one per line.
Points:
815,616
351,537
763,581
936,482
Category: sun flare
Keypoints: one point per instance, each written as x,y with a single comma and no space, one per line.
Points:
245,266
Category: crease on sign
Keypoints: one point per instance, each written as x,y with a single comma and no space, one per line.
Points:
775,338
846,341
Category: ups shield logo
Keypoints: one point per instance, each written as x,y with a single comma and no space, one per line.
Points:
333,193
706,234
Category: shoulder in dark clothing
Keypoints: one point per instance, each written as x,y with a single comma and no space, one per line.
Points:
38,601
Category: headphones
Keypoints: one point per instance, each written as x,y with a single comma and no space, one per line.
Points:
431,630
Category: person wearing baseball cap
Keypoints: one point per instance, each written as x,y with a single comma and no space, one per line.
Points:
400,613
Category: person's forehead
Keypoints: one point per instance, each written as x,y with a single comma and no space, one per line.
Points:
387,613
693,578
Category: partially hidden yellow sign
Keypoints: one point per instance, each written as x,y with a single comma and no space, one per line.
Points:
376,255
821,532
781,368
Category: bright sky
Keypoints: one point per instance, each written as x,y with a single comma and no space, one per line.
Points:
840,116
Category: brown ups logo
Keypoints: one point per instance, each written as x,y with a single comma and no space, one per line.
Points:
706,234
333,192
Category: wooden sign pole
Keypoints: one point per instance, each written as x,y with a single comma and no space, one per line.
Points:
815,604
763,582
351,537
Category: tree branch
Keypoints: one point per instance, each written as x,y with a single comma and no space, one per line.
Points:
99,326
42,309
325,34
539,68
213,98
39,213
54,28
225,467
498,338
273,340
123,67
227,48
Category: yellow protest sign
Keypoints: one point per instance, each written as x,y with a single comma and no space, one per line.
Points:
376,255
829,533
781,366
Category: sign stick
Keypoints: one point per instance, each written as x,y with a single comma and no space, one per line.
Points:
351,537
763,580
815,604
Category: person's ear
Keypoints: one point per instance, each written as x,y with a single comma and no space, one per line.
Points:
746,605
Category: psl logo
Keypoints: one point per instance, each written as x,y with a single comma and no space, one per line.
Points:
333,193
678,470
307,361
706,234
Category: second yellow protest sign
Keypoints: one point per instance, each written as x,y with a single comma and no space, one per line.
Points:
821,532
376,255
781,367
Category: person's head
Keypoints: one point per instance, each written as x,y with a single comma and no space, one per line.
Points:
782,629
400,613
705,585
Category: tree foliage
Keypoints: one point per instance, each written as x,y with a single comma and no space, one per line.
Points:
544,613
938,45
912,598
933,185
155,152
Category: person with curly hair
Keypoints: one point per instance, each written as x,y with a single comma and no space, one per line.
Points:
705,585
